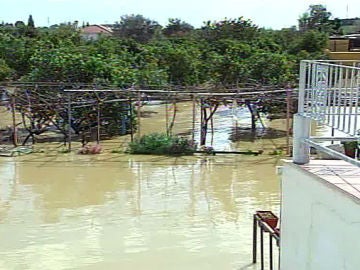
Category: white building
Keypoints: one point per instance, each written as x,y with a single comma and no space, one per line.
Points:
320,216
94,32
320,211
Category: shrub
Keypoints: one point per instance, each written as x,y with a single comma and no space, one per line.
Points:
162,144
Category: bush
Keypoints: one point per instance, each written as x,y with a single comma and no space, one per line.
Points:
162,144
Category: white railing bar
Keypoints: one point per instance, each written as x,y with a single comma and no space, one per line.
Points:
356,100
335,92
346,139
328,91
338,105
351,99
308,86
333,153
313,90
329,64
301,102
329,61
344,100
346,114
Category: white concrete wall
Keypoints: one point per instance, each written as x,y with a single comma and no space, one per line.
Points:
320,225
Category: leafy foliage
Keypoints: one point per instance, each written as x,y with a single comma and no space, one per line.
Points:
137,27
271,68
177,28
239,28
5,71
318,18
220,53
162,144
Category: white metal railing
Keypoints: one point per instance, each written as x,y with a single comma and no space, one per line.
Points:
329,94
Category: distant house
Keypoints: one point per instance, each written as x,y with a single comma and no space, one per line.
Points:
93,32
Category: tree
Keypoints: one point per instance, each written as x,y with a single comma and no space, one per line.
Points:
311,41
30,28
227,62
316,18
270,68
57,35
5,71
137,27
19,24
20,28
180,59
177,28
31,23
16,52
239,28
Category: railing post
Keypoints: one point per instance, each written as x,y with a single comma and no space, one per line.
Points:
301,124
301,150
302,86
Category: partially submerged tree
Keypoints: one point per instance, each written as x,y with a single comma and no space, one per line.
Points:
208,108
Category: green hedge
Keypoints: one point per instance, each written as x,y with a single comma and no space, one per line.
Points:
162,144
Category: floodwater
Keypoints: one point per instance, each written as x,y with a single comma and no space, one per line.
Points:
116,211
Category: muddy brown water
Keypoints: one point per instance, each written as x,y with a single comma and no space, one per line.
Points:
117,211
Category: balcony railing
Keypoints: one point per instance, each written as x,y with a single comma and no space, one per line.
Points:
328,94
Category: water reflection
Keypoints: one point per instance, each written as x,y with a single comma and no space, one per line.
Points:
226,129
7,187
116,211
135,213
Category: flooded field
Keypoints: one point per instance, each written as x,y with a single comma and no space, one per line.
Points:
116,211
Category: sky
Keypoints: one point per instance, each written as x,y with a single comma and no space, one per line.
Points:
275,14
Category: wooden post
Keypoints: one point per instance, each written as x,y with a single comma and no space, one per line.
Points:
167,116
201,121
98,122
253,119
139,115
14,131
131,120
193,118
69,121
212,130
234,109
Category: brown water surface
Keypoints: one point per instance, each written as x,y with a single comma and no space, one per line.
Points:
116,211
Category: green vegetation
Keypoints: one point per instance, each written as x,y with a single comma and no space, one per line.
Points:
141,52
277,152
64,151
221,54
162,144
350,145
350,148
